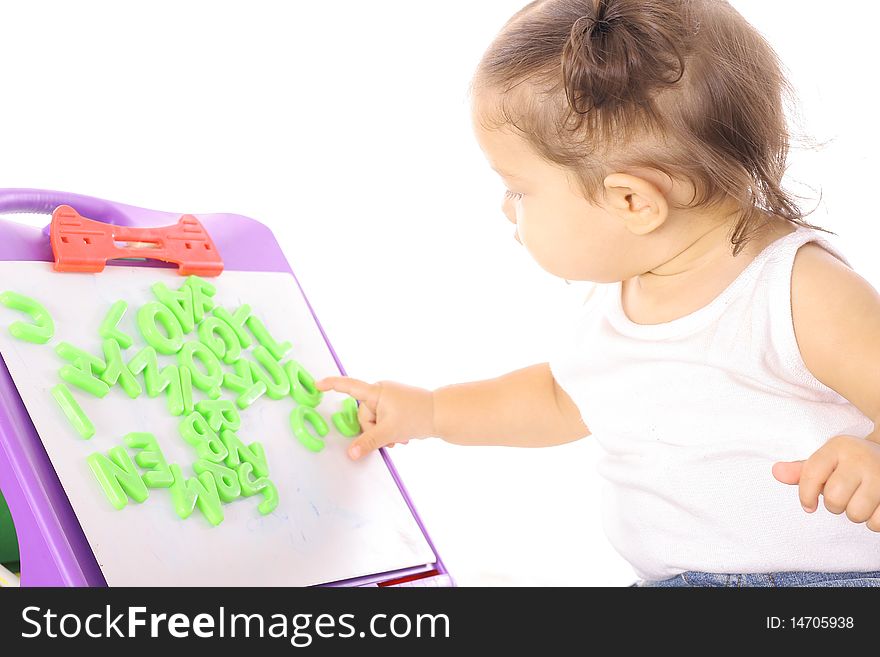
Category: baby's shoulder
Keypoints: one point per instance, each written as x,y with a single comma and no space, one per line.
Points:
821,281
835,313
813,256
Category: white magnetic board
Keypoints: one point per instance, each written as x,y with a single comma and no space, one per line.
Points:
336,518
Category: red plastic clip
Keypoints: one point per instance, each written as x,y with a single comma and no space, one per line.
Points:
85,245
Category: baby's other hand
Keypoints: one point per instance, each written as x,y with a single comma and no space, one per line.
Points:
388,412
846,471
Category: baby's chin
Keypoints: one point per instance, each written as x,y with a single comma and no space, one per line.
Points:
563,268
575,278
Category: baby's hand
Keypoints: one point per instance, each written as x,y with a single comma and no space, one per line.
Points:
388,412
846,470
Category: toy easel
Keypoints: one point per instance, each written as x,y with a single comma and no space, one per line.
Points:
54,550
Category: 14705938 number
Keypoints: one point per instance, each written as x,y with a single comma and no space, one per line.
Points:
809,622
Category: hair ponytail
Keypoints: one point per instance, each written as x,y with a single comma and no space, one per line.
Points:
620,52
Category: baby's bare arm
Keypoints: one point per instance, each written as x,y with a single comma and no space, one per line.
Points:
524,408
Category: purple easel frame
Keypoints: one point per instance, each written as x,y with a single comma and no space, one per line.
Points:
54,550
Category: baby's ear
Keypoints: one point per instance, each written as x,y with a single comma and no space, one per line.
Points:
636,201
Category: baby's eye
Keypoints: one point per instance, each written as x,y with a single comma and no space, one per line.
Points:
509,194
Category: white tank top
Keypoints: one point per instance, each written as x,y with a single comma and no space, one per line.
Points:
692,414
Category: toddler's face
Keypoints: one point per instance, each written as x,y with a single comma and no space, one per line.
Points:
568,236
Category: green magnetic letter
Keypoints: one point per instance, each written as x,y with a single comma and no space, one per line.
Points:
219,337
298,418
109,329
242,381
236,322
73,411
155,380
82,373
186,390
346,420
228,486
302,385
197,432
201,490
239,453
117,370
220,414
202,293
179,302
149,317
262,335
150,458
260,485
118,477
41,330
208,380
271,373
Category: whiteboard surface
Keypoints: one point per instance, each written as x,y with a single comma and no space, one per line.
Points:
336,518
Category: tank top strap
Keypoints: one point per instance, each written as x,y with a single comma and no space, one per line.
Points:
776,270
776,275
780,254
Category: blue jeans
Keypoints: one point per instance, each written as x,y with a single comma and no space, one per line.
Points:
790,578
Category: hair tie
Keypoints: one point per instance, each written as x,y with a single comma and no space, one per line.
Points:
603,24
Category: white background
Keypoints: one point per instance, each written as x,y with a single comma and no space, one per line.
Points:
344,127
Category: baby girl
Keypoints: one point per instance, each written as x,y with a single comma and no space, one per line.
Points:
727,359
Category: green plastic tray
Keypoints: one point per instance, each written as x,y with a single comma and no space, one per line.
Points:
8,539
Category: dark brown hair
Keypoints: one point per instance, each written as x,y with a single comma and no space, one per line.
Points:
686,87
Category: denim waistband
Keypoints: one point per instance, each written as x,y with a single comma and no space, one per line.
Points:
785,578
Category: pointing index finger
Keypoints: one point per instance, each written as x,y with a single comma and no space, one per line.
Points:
358,389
